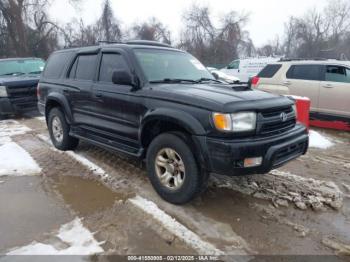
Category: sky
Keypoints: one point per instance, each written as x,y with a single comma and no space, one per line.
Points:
267,17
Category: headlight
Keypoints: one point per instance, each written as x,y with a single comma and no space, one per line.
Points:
3,91
295,109
237,122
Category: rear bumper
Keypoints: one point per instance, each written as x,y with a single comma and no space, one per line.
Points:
226,157
17,105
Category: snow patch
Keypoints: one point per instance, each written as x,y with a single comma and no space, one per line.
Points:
283,188
76,239
15,161
174,227
10,128
319,141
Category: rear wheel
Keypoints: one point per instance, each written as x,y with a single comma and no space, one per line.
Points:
173,170
59,131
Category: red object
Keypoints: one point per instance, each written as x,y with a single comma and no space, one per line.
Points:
338,125
303,105
255,81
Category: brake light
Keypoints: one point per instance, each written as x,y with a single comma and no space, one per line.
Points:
255,81
38,91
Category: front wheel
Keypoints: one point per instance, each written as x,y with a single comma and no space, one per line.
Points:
173,170
59,131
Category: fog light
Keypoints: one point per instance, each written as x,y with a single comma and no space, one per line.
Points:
251,162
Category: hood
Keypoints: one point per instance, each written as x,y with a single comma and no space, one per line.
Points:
22,80
218,97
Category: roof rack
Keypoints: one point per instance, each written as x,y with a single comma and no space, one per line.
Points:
146,42
135,42
302,59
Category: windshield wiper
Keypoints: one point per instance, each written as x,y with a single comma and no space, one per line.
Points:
35,72
203,79
173,81
13,73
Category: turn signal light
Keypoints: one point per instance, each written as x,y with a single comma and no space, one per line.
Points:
222,121
252,162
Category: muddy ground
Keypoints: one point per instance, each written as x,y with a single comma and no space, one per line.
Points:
302,208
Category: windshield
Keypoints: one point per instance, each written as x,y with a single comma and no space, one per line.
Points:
21,66
159,65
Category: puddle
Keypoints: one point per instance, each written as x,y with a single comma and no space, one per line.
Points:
84,196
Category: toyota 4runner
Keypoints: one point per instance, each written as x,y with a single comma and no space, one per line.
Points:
153,102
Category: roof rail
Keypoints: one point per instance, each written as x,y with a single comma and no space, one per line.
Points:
302,59
109,42
146,42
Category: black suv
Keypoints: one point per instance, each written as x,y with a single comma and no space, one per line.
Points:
18,81
160,104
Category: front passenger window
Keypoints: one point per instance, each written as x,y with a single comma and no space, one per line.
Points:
109,64
234,65
338,74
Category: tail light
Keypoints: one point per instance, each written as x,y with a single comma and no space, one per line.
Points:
255,81
38,91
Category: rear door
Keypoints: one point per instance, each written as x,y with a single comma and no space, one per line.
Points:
335,91
78,87
305,80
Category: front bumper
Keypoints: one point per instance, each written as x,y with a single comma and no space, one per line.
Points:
10,106
226,157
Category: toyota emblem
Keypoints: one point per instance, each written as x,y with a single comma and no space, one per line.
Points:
284,117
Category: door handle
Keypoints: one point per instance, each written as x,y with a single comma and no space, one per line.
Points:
65,90
287,83
99,95
328,86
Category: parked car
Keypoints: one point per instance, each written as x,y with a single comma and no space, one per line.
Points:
325,82
247,67
18,80
219,75
157,103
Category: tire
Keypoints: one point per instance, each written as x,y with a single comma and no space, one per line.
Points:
183,186
63,142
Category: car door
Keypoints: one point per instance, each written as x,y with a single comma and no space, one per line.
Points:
78,87
335,91
304,80
118,107
233,69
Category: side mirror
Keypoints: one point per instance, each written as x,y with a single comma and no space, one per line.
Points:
215,75
122,77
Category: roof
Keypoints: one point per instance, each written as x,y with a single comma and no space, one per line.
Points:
20,58
314,61
128,44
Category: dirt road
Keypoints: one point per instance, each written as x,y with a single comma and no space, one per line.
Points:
300,209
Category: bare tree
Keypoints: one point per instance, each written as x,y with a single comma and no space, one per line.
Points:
108,25
152,30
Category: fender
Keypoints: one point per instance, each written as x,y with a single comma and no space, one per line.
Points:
62,100
187,121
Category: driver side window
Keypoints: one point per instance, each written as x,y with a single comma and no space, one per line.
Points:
109,64
234,65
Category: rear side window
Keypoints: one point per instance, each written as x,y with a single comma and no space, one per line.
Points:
338,74
305,72
109,64
84,67
56,64
269,71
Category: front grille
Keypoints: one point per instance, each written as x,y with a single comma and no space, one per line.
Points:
17,92
271,122
289,153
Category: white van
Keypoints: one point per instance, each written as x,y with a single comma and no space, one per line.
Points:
248,67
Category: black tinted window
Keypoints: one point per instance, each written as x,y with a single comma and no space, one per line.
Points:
338,74
109,64
269,71
56,64
86,67
305,72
